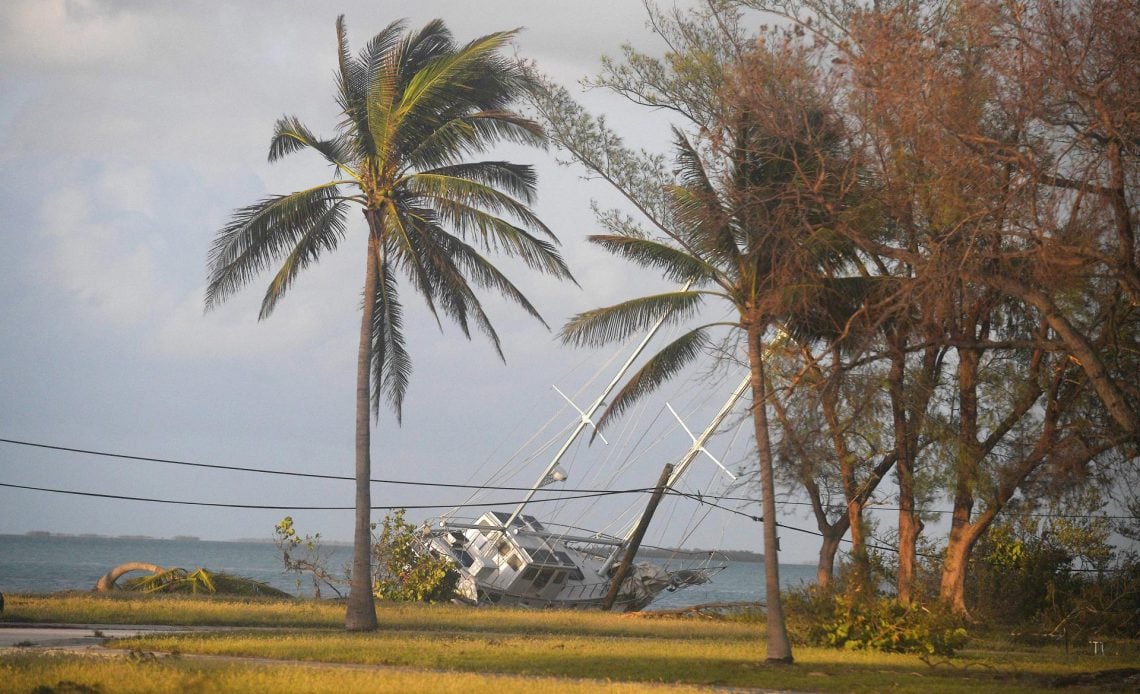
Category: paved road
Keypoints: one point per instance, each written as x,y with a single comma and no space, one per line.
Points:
78,637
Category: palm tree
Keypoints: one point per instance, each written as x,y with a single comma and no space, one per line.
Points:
415,107
745,232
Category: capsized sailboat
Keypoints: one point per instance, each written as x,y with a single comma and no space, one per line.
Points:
515,559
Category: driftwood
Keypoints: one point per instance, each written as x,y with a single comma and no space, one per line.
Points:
708,609
108,581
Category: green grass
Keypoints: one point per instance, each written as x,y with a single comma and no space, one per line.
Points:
77,673
197,610
446,648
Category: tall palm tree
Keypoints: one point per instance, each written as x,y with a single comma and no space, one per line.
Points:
415,107
743,231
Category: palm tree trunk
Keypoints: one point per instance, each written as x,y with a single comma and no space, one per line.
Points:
361,612
779,648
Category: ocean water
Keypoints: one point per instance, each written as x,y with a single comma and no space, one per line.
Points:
39,564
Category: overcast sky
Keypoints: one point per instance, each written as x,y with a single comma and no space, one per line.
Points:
129,131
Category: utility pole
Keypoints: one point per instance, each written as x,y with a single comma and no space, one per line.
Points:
635,540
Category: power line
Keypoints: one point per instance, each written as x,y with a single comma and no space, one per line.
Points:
452,485
290,473
695,497
211,504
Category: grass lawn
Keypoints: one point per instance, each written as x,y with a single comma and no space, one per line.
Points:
446,648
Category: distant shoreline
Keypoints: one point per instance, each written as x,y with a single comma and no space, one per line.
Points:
647,552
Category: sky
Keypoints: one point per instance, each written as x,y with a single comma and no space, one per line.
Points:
129,132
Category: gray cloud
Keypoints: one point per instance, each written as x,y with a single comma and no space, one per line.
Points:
128,133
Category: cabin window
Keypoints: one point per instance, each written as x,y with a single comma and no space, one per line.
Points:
576,575
514,561
559,578
504,548
530,573
543,578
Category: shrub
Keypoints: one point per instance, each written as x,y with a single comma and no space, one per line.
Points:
406,570
822,618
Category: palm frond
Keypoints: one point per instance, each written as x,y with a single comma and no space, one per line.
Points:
697,207
325,234
380,104
399,225
659,369
449,75
517,180
352,84
259,234
419,50
496,234
391,363
437,264
483,272
445,190
452,86
613,323
290,135
448,142
674,263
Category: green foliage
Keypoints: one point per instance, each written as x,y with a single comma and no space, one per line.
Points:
304,555
1095,604
405,570
823,618
1055,577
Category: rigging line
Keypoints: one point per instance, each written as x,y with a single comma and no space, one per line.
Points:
615,460
501,473
121,497
493,453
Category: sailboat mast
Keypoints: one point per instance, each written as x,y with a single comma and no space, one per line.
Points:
588,414
679,469
699,443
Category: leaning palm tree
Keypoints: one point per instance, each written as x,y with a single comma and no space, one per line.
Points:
747,227
415,108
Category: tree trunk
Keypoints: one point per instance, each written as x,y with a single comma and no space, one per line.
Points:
779,648
860,564
860,561
107,582
952,589
825,572
360,614
910,526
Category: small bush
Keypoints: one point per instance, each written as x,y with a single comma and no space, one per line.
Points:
821,618
406,570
